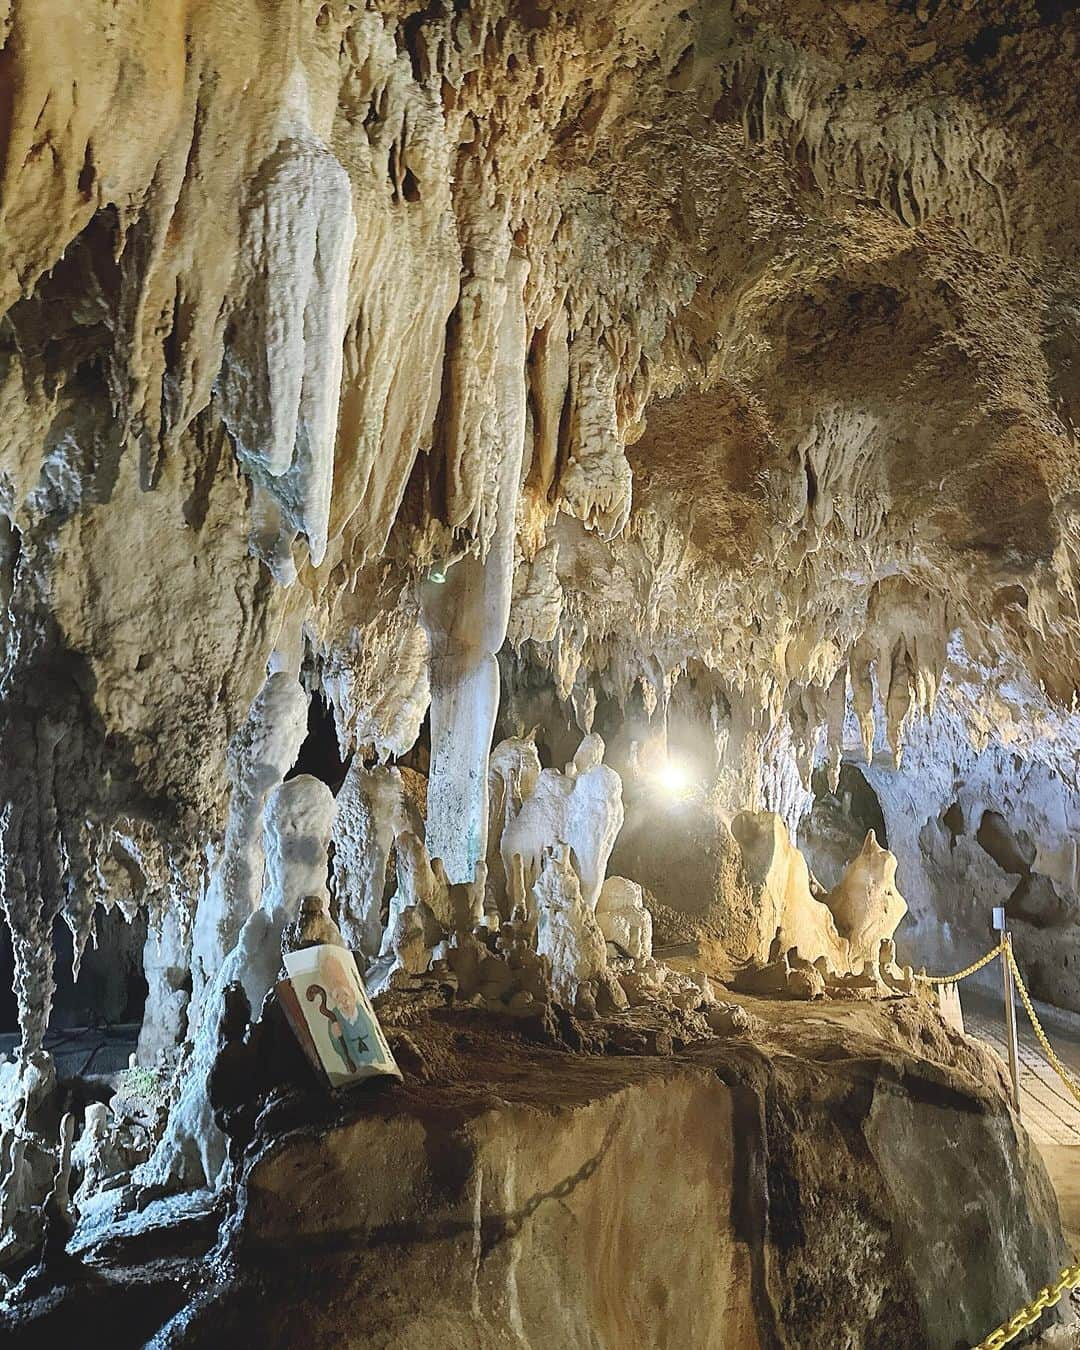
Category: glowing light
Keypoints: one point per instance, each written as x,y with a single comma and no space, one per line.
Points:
674,779
437,575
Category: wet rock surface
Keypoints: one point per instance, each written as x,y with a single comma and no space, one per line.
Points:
812,1177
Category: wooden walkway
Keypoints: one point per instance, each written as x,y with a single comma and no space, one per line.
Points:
1048,1111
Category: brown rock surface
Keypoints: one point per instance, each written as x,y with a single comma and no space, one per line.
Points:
850,1177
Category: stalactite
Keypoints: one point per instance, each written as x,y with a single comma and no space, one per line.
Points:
467,616
281,381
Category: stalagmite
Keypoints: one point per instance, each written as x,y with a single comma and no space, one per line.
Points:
513,772
623,918
567,932
168,968
866,905
581,809
262,753
369,814
297,821
97,1157
786,912
26,1089
419,912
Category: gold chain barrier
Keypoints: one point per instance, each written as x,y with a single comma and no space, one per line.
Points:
968,970
1052,1294
1048,1050
1047,1297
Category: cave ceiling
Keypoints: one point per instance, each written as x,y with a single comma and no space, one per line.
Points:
796,288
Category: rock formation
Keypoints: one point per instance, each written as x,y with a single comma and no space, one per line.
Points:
866,905
623,918
370,812
776,879
262,752
297,823
450,453
567,932
580,809
372,361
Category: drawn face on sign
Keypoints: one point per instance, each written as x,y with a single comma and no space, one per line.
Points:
340,987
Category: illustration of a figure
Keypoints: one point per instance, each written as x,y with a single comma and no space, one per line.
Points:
339,1004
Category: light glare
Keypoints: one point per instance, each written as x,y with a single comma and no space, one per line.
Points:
674,779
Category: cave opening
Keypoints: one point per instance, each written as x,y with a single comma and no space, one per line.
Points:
1013,853
320,754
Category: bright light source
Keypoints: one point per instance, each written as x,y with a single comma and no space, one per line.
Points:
673,778
437,575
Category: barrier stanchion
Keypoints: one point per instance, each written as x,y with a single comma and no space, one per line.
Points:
1010,1003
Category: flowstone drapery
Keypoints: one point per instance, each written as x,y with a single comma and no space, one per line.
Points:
297,822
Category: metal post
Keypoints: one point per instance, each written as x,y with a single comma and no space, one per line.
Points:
1010,1004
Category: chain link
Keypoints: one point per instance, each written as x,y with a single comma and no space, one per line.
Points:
1048,1050
1026,1317
968,970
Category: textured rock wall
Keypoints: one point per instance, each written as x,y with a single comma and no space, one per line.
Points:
777,304
776,1190
983,811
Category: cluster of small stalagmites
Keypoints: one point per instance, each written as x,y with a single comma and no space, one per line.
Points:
540,921
624,1003
541,932
787,974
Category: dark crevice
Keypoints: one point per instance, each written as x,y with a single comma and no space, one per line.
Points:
811,486
410,188
855,798
953,821
319,755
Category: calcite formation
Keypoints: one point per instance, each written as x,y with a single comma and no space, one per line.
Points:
452,453
866,906
380,337
623,917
